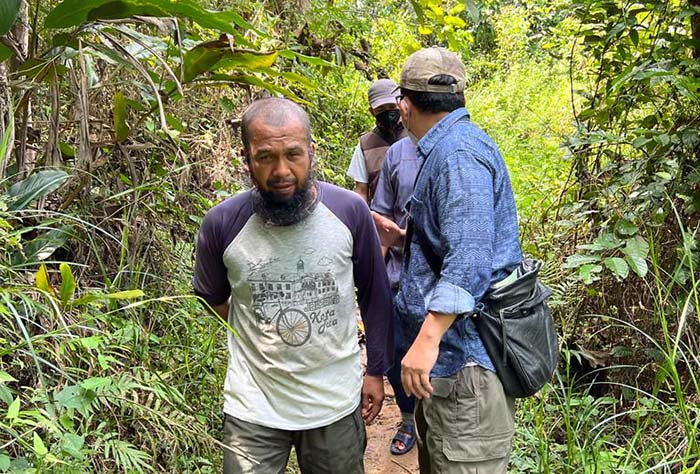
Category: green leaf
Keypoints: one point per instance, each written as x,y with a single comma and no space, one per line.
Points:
34,187
13,410
43,282
77,12
198,60
120,295
625,227
636,252
95,382
256,81
91,342
425,30
227,105
473,10
39,446
67,284
121,129
66,149
43,69
72,444
418,8
124,295
457,9
639,142
46,244
618,266
291,77
8,13
574,261
634,36
311,60
588,273
104,361
247,60
219,54
455,21
71,396
4,462
5,142
606,241
5,394
5,377
5,52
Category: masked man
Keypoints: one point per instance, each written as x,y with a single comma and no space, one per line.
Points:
369,154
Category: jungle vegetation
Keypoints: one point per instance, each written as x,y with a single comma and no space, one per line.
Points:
119,129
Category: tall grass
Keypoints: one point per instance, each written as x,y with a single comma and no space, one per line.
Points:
640,416
97,376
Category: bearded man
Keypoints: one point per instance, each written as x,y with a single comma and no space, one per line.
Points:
281,263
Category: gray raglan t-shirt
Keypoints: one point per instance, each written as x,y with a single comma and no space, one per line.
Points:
296,364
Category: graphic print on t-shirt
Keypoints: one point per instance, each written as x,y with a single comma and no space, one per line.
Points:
295,303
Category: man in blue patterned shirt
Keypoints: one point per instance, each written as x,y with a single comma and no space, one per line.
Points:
464,239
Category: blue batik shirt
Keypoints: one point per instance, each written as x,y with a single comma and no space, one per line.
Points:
464,206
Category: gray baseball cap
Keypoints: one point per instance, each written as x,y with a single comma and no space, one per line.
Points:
426,63
382,92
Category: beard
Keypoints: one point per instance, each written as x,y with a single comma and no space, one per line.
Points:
277,210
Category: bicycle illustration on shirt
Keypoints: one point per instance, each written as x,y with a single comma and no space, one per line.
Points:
295,301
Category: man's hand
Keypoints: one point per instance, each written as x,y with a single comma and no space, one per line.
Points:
421,357
389,232
372,397
416,366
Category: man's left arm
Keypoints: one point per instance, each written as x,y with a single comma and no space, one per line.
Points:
382,206
463,200
374,299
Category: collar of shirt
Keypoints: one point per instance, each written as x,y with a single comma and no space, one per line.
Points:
435,134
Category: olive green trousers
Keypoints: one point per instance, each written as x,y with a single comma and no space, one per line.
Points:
334,449
466,426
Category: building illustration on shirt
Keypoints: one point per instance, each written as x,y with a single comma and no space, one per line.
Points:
295,302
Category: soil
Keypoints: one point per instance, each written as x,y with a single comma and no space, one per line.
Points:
378,458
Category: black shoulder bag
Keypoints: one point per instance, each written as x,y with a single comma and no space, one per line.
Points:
514,323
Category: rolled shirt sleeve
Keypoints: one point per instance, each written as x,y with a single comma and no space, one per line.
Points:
463,197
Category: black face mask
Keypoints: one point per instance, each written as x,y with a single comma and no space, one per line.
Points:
388,123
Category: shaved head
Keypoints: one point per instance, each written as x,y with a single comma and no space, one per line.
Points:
275,112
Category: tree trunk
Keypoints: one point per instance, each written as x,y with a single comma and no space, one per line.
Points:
5,120
695,28
26,157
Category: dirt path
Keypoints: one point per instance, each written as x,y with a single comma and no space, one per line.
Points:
378,459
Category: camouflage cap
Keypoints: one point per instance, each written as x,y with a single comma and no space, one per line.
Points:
426,63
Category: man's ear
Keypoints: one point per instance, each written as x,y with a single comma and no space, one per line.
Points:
312,152
245,156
